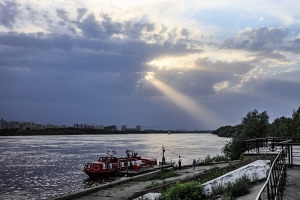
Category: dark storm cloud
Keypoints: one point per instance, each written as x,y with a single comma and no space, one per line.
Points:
39,40
134,30
264,43
81,12
293,45
92,28
8,13
258,39
264,34
62,14
54,50
275,88
222,67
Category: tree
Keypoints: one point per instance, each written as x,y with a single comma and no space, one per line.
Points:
254,125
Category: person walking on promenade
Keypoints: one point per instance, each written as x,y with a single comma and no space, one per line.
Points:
194,164
179,162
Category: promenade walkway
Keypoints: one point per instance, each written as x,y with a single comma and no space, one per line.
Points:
292,188
127,189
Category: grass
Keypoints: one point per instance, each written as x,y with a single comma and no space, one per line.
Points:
161,175
156,184
215,174
231,190
209,160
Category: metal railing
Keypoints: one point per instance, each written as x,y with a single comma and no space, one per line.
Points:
276,181
257,143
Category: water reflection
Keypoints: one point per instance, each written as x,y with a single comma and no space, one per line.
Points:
42,167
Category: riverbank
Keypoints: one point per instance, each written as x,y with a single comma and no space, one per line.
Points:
127,189
135,188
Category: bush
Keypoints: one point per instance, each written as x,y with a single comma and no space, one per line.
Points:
232,190
186,191
215,174
217,158
240,188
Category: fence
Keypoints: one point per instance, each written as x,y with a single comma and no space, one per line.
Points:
288,150
276,181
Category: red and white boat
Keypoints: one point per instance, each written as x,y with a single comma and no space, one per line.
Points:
110,164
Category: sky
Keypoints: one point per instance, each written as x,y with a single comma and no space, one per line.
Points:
160,64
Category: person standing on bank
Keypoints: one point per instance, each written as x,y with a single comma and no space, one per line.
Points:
194,164
179,162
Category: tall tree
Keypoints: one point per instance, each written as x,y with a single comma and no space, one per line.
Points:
254,125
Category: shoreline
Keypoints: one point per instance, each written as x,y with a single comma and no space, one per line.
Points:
128,188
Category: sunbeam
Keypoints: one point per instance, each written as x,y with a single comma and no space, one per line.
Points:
188,105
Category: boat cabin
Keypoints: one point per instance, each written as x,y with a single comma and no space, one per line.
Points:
108,159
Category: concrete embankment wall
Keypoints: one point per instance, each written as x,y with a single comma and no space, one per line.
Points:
107,185
257,170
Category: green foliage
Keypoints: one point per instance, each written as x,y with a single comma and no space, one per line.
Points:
217,173
161,175
254,125
186,191
208,159
58,131
156,184
231,190
240,188
286,127
224,131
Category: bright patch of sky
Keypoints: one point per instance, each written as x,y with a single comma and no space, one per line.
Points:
86,53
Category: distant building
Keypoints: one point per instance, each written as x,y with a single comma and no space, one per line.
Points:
100,127
111,128
138,128
1,123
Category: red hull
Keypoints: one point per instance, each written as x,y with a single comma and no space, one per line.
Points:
110,165
101,174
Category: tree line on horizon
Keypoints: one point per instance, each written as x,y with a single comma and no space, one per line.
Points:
256,125
85,131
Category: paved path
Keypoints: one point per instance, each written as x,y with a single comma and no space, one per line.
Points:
126,190
292,188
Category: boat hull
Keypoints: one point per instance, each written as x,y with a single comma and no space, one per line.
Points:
101,174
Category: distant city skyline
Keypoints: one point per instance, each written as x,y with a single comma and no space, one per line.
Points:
172,64
13,124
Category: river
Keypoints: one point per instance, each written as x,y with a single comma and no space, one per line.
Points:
43,167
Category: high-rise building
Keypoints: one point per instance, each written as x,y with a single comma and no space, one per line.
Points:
138,127
1,123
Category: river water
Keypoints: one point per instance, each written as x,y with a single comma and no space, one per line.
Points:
43,167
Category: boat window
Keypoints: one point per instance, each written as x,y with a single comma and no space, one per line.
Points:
103,159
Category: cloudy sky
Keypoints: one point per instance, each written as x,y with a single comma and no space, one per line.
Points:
180,64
